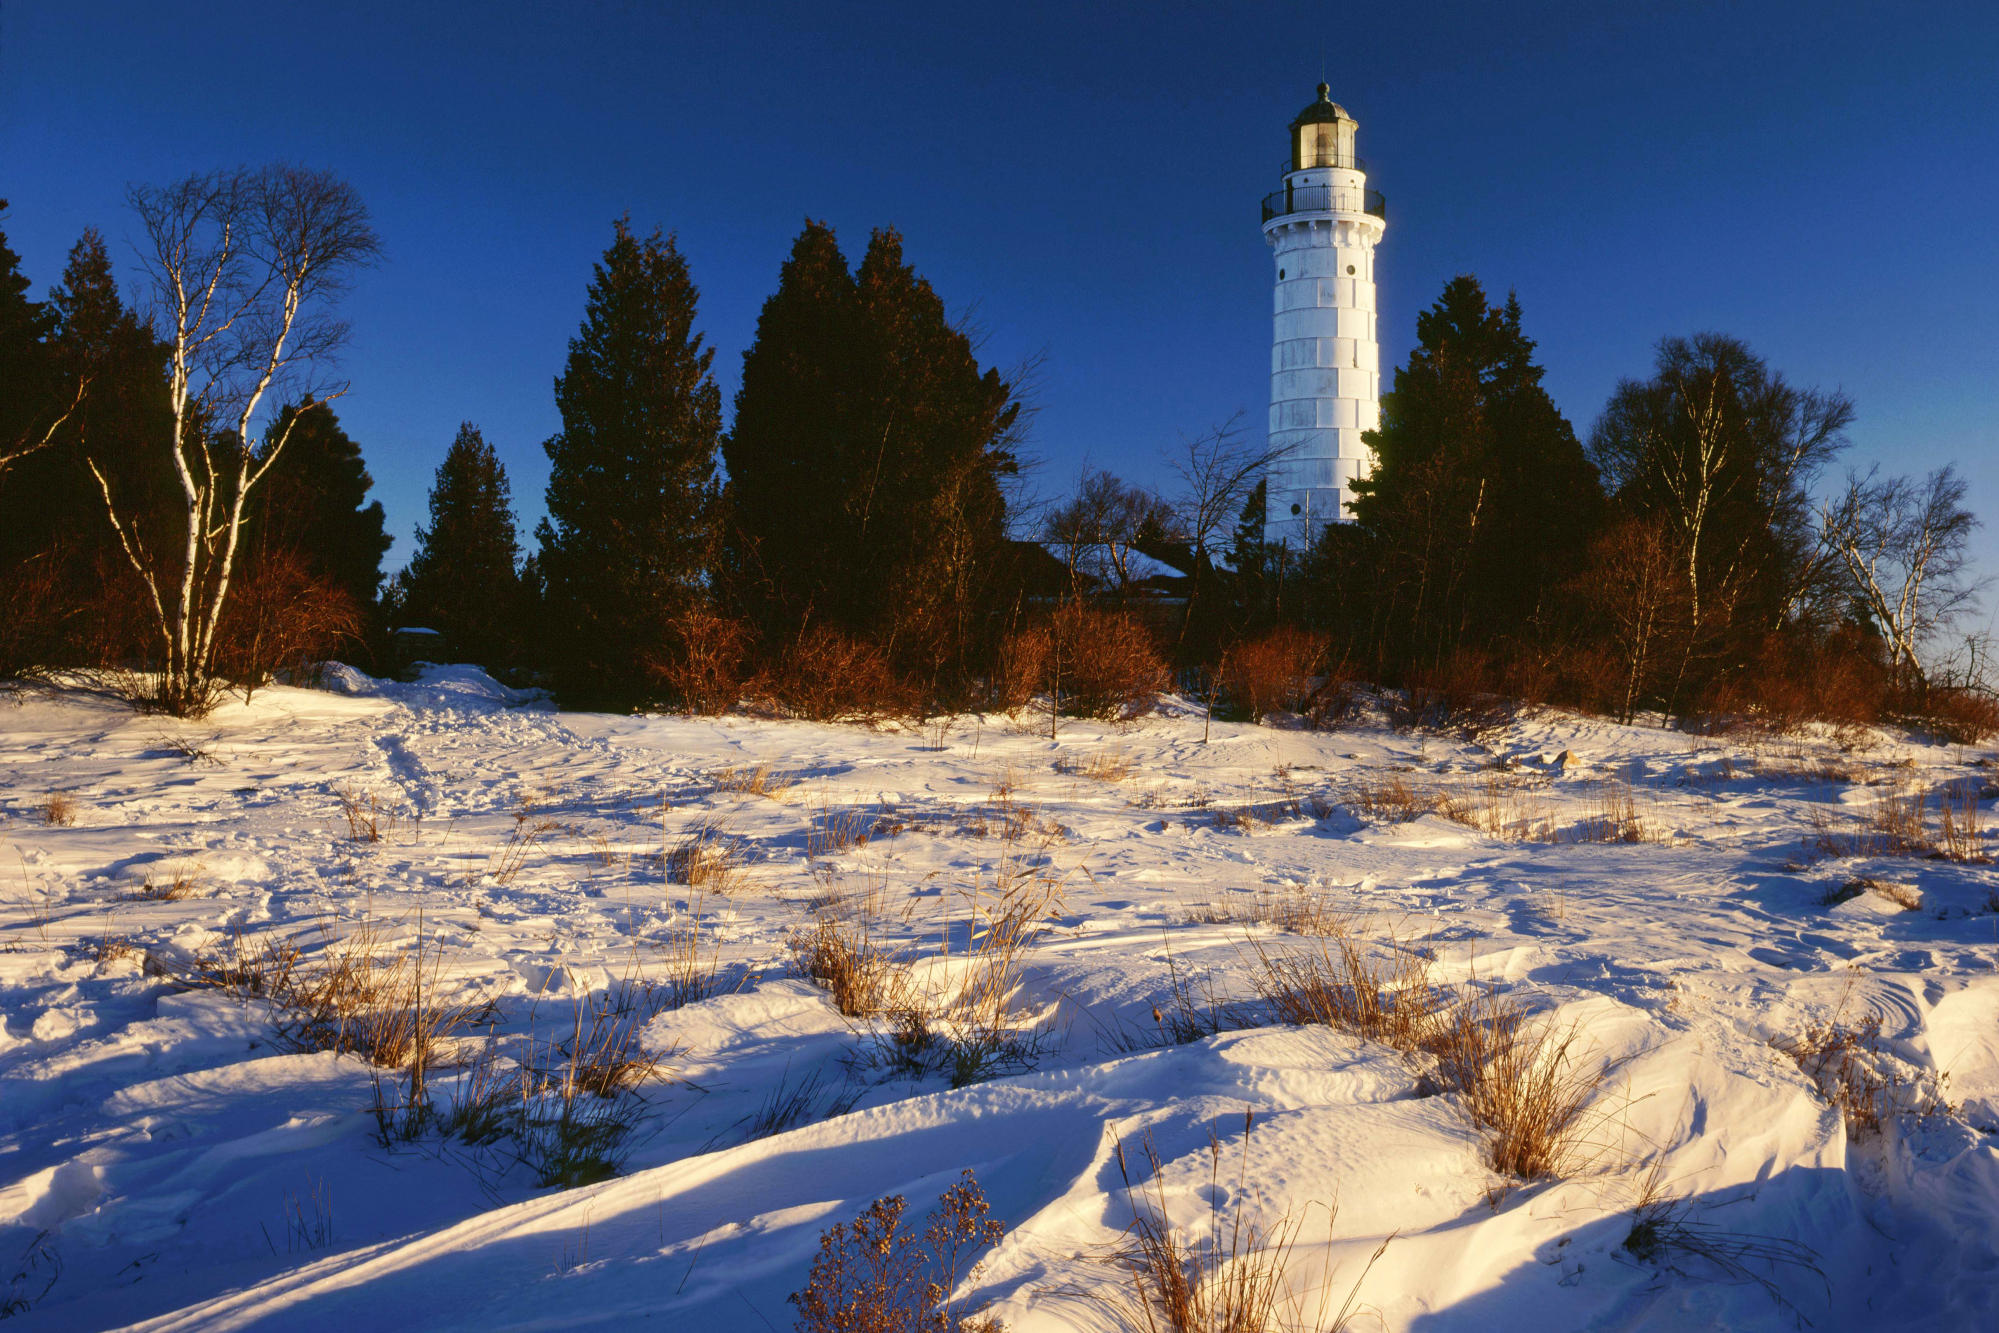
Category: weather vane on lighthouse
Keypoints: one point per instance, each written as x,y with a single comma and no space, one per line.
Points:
1325,362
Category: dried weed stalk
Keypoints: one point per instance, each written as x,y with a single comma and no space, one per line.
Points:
1234,1279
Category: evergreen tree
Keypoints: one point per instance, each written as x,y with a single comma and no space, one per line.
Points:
1481,501
25,383
627,539
791,450
866,461
1254,567
316,503
463,579
52,514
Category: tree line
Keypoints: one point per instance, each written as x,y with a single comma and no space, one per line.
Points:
180,502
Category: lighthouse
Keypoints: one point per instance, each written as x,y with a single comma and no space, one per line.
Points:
1325,361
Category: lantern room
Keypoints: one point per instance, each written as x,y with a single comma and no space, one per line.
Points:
1322,135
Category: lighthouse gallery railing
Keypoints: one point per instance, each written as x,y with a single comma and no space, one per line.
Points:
1323,199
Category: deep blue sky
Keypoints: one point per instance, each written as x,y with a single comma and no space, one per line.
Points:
1082,179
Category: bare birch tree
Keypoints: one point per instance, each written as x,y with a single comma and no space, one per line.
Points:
1725,451
243,267
1903,543
35,441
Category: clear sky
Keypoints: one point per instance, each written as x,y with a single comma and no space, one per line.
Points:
1082,181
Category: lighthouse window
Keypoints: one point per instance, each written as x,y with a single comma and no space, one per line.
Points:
1280,275
1349,270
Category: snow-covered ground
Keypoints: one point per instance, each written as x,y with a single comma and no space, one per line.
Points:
168,1160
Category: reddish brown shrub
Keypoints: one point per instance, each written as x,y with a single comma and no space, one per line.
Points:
1954,713
1792,682
1848,683
704,665
1589,679
1458,694
30,599
827,676
1104,664
283,617
1274,671
1021,669
1527,676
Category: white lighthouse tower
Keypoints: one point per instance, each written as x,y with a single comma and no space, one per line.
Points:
1325,362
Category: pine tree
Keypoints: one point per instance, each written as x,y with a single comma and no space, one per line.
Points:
52,514
927,507
792,450
628,534
1481,501
866,460
316,503
25,383
463,578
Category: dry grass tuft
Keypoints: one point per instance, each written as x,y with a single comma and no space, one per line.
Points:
840,955
790,1104
1004,816
603,1056
1237,818
181,882
759,781
355,995
187,750
692,968
1111,765
705,858
1380,995
1295,910
1232,1280
574,1121
1504,806
368,819
58,810
1905,896
109,949
529,829
1799,766
876,1275
1189,1014
835,830
1664,1233
1946,824
1613,816
1847,1067
987,1033
1390,801
1522,1084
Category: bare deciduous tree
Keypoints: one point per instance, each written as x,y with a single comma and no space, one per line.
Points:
243,266
1631,586
1903,543
1099,529
1217,471
1725,451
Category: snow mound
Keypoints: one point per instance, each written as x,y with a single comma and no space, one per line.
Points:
437,685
